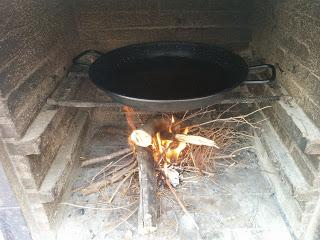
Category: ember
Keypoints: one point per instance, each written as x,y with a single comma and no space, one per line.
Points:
167,150
167,140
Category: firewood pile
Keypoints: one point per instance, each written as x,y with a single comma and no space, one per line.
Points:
166,147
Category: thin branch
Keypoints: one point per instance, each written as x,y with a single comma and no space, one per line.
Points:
106,157
119,185
180,203
98,208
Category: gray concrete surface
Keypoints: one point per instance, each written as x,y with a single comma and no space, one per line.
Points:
236,203
12,223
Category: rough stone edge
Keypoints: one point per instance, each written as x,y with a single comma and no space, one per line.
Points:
286,202
39,229
47,193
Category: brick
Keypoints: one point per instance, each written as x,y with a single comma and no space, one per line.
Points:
31,142
26,100
43,130
306,30
127,5
119,5
291,137
107,45
129,23
280,129
8,131
279,55
30,28
300,49
203,5
50,144
207,34
312,110
303,164
22,166
290,122
116,20
278,178
300,37
59,173
308,201
312,87
303,77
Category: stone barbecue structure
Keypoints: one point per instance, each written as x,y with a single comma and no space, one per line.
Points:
42,140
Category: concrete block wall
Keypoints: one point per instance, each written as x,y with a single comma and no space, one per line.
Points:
38,39
104,25
287,34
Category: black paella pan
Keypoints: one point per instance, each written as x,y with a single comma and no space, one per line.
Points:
170,76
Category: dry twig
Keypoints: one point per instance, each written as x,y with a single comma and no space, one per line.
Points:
180,203
96,186
119,185
105,158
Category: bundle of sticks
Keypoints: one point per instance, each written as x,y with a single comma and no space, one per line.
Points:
206,141
143,136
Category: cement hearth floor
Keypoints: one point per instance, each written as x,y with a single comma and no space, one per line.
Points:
236,203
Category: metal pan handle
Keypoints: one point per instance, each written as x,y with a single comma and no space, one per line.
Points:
91,55
262,66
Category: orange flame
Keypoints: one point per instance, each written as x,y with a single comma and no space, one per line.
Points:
165,151
129,116
168,149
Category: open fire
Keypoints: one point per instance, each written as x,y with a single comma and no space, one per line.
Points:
167,150
167,140
169,143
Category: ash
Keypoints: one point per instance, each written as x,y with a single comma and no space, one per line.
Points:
235,202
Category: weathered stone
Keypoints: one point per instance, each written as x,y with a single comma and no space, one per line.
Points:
209,34
299,36
281,183
308,197
7,130
30,143
297,47
50,144
60,169
35,140
303,163
203,5
22,167
147,19
26,100
313,148
277,152
312,110
291,123
106,45
128,23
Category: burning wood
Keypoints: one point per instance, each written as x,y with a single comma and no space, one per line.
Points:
196,140
144,137
162,150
